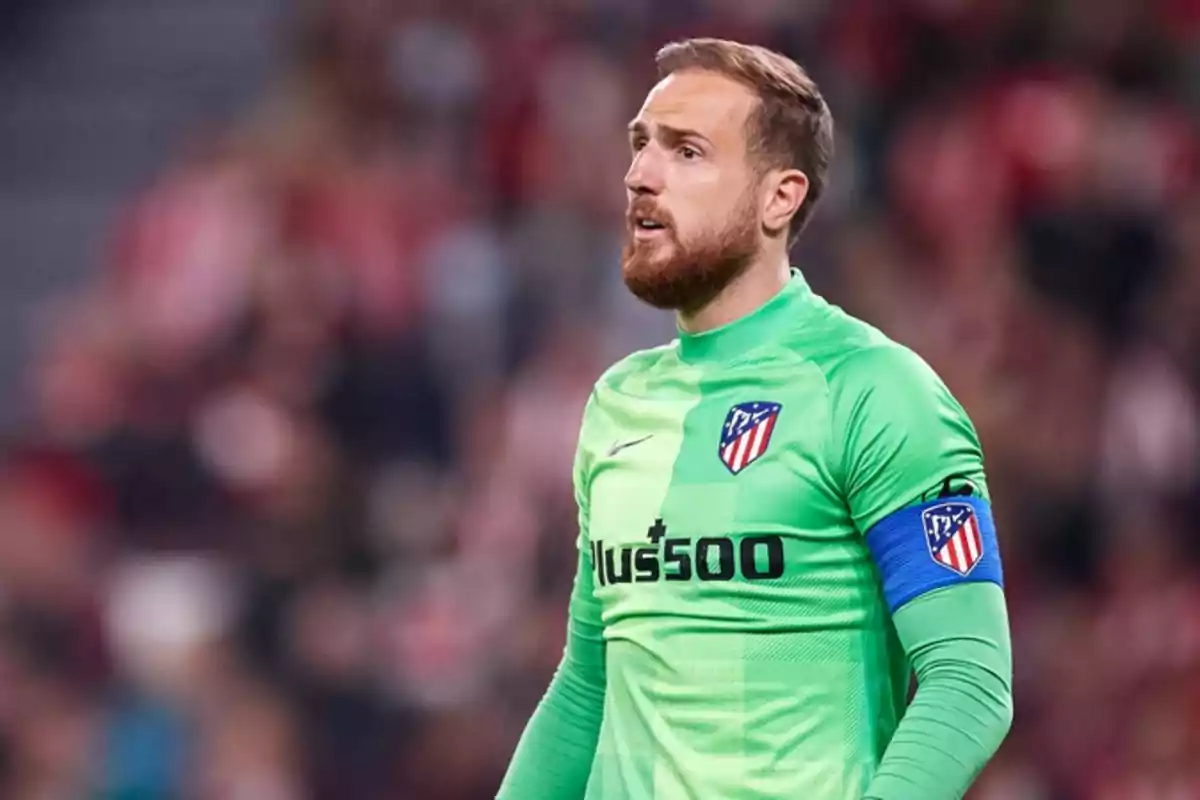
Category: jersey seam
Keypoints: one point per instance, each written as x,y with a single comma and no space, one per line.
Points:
840,453
837,454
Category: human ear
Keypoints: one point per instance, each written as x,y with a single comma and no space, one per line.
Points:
786,190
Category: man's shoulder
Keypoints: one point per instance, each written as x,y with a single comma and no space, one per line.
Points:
849,350
636,364
883,364
865,370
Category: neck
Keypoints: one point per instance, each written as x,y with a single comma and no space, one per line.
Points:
761,280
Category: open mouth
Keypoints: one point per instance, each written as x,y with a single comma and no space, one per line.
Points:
645,227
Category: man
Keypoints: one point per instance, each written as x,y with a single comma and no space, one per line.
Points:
783,514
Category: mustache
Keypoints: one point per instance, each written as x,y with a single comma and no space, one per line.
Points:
646,208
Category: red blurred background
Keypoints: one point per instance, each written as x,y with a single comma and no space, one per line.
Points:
303,300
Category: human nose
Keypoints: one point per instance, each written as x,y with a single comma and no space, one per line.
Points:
645,175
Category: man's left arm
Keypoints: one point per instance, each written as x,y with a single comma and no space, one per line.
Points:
957,639
914,482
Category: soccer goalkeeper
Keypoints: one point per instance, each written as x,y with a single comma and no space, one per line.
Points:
783,514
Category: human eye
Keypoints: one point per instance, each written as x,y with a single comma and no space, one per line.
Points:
689,153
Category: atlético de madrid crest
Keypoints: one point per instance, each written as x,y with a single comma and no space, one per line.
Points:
747,433
953,535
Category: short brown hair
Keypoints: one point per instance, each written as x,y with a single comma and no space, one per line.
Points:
792,126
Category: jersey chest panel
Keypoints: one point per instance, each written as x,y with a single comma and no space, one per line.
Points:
726,498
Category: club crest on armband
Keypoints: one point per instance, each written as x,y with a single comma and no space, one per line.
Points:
952,533
747,434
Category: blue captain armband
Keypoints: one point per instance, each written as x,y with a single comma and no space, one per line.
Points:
936,544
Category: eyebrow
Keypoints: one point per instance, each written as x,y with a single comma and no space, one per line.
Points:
670,132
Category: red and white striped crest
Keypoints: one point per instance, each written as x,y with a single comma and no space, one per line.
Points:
952,532
747,434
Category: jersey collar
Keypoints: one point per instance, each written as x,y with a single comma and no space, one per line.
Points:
733,339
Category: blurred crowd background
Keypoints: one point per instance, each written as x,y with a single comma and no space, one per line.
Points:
285,491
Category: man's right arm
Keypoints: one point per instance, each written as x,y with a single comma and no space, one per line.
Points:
554,757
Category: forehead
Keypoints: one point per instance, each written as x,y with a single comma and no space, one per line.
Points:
706,102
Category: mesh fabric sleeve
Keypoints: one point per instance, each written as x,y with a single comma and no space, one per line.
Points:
553,759
914,483
957,638
554,756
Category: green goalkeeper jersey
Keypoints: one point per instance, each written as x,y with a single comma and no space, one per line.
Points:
727,484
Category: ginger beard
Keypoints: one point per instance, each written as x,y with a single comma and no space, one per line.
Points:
669,273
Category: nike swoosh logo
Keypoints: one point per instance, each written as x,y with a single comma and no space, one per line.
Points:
619,446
